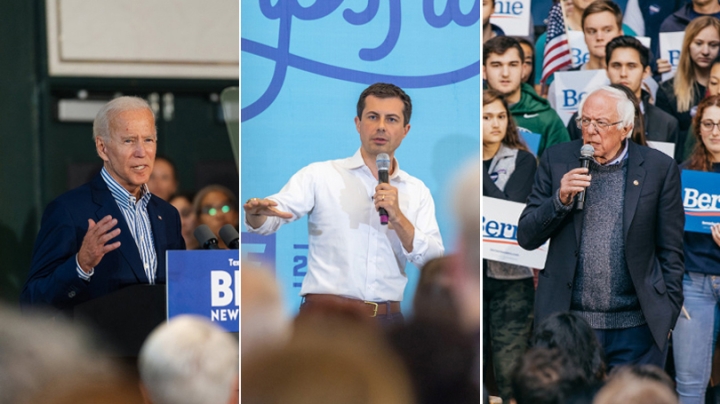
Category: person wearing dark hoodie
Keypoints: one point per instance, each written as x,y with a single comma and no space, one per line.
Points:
502,71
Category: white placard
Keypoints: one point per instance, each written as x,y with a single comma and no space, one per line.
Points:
570,87
579,50
499,229
665,147
670,45
513,16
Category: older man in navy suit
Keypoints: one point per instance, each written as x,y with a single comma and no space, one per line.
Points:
618,263
111,232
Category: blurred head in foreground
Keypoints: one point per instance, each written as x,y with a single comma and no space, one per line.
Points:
189,360
330,359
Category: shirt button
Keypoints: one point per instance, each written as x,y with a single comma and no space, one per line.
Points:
71,294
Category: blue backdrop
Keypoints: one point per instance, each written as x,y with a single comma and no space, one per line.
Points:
304,64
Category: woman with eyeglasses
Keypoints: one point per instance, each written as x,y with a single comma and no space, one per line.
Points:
681,93
508,290
697,327
216,206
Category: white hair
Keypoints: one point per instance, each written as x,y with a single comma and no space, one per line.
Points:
101,125
189,360
625,107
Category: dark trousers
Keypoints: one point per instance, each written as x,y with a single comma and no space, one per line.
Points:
631,346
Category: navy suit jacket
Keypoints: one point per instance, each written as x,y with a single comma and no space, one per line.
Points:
653,222
53,279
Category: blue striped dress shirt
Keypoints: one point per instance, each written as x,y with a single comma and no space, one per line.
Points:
138,220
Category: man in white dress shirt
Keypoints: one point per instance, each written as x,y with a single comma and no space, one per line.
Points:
353,259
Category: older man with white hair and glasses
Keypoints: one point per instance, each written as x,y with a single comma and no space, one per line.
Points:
615,225
111,232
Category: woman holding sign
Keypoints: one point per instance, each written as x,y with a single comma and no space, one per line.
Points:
697,327
508,292
679,95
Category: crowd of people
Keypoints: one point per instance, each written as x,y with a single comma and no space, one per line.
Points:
625,286
213,205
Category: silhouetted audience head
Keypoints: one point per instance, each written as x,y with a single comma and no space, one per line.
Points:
441,360
464,276
189,360
638,385
43,359
330,359
433,299
572,335
545,376
264,322
163,179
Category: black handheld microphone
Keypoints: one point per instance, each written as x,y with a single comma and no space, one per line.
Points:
206,238
230,237
383,165
586,154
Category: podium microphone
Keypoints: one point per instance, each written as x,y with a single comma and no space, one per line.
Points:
586,154
206,238
383,165
230,237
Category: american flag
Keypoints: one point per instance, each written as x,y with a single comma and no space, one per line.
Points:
557,49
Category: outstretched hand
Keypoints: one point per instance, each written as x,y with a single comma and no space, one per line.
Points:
264,207
715,230
94,245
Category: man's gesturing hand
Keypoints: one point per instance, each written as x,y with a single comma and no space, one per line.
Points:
94,245
573,182
257,211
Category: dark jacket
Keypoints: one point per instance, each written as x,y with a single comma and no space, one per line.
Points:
680,19
653,221
53,279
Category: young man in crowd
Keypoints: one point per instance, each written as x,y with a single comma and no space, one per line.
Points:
502,70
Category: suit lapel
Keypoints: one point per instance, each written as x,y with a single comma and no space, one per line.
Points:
633,186
158,228
128,248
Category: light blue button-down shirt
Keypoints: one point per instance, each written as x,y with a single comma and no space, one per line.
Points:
138,220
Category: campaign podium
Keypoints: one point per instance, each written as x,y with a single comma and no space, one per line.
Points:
126,317
200,282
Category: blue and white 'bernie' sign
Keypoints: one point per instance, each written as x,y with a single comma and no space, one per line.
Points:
205,283
304,64
701,200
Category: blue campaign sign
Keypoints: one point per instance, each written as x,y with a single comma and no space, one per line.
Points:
701,200
304,65
205,283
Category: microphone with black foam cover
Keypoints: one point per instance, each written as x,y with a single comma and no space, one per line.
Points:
206,238
383,165
230,237
586,154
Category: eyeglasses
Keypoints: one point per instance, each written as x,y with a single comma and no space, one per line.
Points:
212,210
601,125
708,126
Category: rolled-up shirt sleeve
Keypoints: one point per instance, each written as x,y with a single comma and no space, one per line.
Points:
427,242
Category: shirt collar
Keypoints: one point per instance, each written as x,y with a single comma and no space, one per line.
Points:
356,161
121,195
622,156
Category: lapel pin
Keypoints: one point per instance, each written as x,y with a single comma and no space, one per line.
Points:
636,182
160,217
